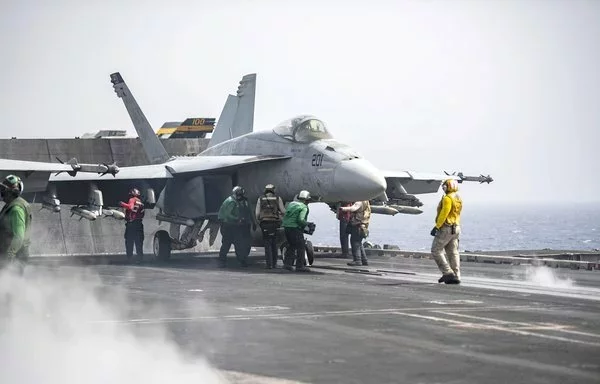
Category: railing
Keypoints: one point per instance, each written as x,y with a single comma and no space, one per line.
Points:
556,260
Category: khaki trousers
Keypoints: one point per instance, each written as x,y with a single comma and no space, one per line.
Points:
445,250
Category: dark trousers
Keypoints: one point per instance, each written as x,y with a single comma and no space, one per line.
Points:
297,247
356,237
134,234
344,237
18,263
269,233
240,237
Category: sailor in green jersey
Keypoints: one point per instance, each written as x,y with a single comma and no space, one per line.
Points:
15,223
236,219
295,223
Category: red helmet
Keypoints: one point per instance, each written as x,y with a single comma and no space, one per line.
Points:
134,192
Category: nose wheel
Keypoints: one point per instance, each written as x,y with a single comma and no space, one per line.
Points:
161,246
309,255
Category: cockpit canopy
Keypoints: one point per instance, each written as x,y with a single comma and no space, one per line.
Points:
303,129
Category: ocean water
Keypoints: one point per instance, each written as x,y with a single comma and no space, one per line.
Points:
484,227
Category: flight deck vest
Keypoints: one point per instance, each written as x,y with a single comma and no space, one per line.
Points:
6,230
363,215
453,217
269,208
137,213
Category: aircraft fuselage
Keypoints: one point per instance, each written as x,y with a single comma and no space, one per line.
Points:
329,170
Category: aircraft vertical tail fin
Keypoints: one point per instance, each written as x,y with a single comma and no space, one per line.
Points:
237,117
155,152
222,131
244,117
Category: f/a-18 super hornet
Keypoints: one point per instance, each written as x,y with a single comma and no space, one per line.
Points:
298,154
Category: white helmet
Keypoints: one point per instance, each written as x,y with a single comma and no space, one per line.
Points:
304,195
238,192
449,186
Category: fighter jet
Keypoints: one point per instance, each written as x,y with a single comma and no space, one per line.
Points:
299,153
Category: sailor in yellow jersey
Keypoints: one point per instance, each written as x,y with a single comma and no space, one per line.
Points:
447,232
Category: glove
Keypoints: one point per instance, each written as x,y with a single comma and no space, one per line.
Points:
310,228
433,231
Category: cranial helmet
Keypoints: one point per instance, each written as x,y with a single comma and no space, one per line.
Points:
304,195
269,188
238,192
13,184
450,186
134,192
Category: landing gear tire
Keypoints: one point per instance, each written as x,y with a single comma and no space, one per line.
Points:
310,253
161,246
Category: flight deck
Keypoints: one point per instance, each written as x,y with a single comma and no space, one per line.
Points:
390,322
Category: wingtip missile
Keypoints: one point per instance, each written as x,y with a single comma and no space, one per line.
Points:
461,177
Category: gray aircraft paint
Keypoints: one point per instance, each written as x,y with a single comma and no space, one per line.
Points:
155,152
237,117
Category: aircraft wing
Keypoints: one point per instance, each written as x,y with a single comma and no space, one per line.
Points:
36,174
408,182
422,182
75,190
177,166
403,185
13,166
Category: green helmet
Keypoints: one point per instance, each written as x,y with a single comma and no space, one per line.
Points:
238,192
12,183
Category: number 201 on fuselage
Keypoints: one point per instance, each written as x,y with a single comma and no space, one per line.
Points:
317,159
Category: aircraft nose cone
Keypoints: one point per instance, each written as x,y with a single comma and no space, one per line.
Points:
357,180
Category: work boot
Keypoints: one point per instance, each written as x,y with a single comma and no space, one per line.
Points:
449,278
365,262
302,269
354,263
222,264
288,267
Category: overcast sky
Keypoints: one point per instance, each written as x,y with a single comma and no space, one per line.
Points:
509,88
